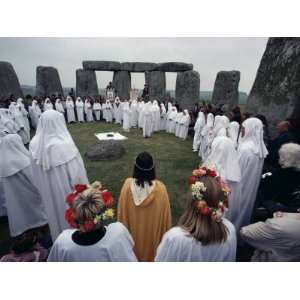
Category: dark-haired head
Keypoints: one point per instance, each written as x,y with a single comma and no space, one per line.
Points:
24,242
144,169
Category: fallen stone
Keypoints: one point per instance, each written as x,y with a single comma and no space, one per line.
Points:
106,150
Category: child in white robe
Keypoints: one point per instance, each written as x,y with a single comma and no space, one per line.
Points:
97,109
58,166
251,152
70,110
88,109
23,201
202,233
91,240
79,109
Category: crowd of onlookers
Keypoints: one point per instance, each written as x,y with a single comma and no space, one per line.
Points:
245,192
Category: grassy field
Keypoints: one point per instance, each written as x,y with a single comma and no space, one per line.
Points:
173,158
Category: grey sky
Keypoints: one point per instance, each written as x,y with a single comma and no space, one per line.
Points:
208,55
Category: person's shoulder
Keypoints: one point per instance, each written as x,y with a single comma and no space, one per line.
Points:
116,230
65,237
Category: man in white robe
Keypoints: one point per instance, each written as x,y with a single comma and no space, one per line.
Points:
70,110
23,201
7,121
22,124
184,124
147,120
79,109
97,109
233,132
251,152
200,123
118,111
163,117
276,239
58,167
142,106
126,116
109,114
155,116
116,246
134,114
172,120
178,118
88,109
224,158
204,149
59,107
35,113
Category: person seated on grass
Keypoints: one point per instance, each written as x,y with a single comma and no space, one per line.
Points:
144,207
90,240
202,234
280,191
276,239
25,248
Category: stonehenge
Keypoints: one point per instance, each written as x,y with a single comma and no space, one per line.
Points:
86,83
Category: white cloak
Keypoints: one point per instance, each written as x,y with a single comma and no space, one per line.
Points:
79,110
116,246
70,111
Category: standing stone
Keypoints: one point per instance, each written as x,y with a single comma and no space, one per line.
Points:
9,82
276,89
226,88
86,83
156,81
187,89
47,82
122,84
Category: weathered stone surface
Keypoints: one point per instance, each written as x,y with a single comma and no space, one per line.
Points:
138,66
276,89
86,83
47,82
101,65
226,88
187,89
174,67
9,82
122,84
105,150
156,81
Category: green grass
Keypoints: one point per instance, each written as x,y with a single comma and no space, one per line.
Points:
174,160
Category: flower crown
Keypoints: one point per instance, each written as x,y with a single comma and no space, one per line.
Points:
198,188
91,223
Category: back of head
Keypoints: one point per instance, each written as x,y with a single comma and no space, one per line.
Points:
289,156
206,205
144,169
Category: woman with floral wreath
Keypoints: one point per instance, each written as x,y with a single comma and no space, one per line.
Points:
202,234
90,240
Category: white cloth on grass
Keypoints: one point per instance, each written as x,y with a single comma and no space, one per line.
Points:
178,245
23,202
116,246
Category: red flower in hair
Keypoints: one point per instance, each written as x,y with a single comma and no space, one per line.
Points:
88,225
107,198
80,187
205,211
192,179
211,173
71,198
70,217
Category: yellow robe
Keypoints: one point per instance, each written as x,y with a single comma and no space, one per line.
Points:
147,222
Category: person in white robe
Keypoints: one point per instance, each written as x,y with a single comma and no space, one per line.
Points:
184,125
19,118
70,110
142,107
251,153
204,149
275,240
48,104
79,109
134,114
147,120
24,115
12,107
126,116
155,116
199,125
117,111
224,158
178,118
109,114
97,109
95,243
35,113
59,107
233,132
58,167
7,122
88,109
172,120
23,201
163,117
